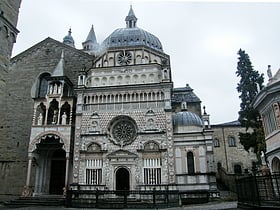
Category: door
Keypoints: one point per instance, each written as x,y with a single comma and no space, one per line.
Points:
122,179
57,178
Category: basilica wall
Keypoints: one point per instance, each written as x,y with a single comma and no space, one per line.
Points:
22,84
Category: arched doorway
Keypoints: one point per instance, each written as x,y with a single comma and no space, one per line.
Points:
57,176
122,179
49,162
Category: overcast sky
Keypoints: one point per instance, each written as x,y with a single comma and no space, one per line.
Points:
202,38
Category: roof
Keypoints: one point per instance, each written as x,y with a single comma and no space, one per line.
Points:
228,124
185,94
131,36
186,118
91,36
42,43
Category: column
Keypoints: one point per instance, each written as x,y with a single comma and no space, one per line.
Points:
67,170
29,169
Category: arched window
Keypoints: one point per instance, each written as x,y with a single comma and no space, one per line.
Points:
53,112
275,165
216,142
231,141
40,114
65,113
190,162
43,85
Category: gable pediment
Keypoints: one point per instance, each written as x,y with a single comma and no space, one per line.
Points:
46,45
122,154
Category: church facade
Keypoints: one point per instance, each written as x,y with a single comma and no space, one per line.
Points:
108,117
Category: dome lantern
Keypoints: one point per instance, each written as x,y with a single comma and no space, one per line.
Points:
131,19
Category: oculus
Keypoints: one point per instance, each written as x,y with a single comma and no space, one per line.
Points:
122,130
124,58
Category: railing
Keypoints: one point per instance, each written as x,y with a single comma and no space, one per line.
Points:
259,191
122,198
124,105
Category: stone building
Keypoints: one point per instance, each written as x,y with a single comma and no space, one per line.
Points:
267,102
8,32
105,117
229,152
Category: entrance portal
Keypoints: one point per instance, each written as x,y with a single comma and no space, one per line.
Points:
57,179
122,179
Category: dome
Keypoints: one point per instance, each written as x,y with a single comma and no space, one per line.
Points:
68,39
131,36
186,118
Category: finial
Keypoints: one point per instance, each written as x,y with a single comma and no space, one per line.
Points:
70,32
204,110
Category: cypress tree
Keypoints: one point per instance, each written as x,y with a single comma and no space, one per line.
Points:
249,85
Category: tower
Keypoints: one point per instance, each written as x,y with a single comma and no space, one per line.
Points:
9,11
90,45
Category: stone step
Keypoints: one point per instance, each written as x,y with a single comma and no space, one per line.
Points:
36,201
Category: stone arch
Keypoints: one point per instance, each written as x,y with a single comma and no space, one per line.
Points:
37,139
151,146
122,178
93,147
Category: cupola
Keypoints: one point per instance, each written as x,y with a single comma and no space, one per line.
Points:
68,40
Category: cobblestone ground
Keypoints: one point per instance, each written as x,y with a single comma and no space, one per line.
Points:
206,206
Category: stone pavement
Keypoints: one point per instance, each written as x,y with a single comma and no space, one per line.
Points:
206,206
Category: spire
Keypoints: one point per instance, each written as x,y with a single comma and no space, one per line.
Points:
58,71
91,35
90,45
131,19
69,39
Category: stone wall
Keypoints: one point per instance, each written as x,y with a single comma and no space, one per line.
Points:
228,156
8,20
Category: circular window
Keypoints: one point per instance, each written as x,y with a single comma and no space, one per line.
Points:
124,58
123,130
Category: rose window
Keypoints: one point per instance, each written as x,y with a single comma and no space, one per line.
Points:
124,58
123,130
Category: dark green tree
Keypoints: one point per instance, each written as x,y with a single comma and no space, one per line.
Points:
249,85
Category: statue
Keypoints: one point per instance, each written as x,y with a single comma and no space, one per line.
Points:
40,119
55,89
51,89
64,117
269,73
54,122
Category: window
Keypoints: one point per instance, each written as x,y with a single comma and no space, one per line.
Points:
231,141
94,172
216,142
190,162
152,171
43,85
237,169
